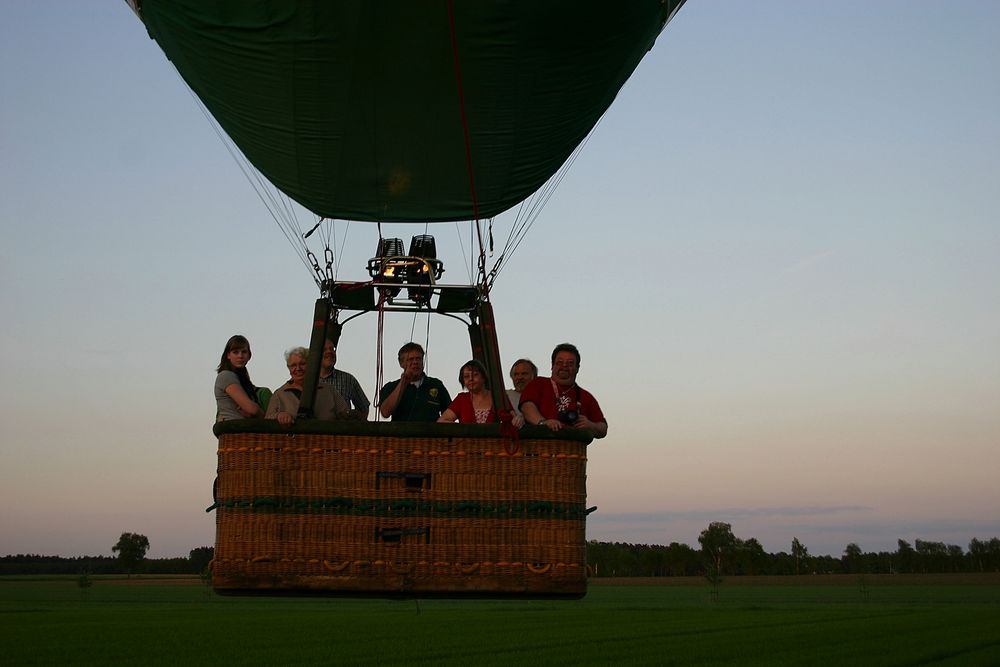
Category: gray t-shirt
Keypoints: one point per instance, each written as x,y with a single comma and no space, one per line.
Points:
227,408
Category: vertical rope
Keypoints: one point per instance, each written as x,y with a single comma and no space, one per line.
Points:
379,366
379,339
468,146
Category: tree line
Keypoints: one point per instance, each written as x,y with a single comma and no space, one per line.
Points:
37,564
131,550
720,553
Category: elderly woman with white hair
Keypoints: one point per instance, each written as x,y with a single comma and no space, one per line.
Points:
284,405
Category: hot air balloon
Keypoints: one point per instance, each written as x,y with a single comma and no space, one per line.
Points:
403,111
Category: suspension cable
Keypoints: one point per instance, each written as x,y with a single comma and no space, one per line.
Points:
531,208
278,205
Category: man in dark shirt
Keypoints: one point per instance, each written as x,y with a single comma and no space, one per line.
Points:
415,396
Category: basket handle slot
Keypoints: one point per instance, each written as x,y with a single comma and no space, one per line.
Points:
396,535
412,481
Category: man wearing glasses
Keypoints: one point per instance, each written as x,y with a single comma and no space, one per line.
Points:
558,402
415,396
346,384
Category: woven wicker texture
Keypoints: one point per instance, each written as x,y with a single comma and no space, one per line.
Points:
374,513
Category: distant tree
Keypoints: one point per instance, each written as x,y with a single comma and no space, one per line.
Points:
993,554
955,558
979,554
825,564
131,550
799,553
903,561
611,559
880,562
717,543
931,556
984,555
683,560
750,556
200,557
853,558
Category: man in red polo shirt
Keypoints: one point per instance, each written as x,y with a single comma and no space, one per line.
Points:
558,402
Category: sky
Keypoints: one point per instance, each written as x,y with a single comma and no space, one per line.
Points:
779,255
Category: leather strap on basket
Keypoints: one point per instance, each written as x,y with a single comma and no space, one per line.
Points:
510,434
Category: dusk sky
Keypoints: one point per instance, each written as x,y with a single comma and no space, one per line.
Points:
779,255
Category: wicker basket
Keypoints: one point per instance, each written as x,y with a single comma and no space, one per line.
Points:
390,509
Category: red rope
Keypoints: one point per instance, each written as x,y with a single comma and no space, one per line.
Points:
511,436
379,340
468,145
379,367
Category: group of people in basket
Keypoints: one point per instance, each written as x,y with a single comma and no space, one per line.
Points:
555,402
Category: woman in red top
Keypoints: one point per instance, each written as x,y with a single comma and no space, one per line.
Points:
475,404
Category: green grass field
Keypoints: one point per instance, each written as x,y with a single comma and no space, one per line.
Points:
936,620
